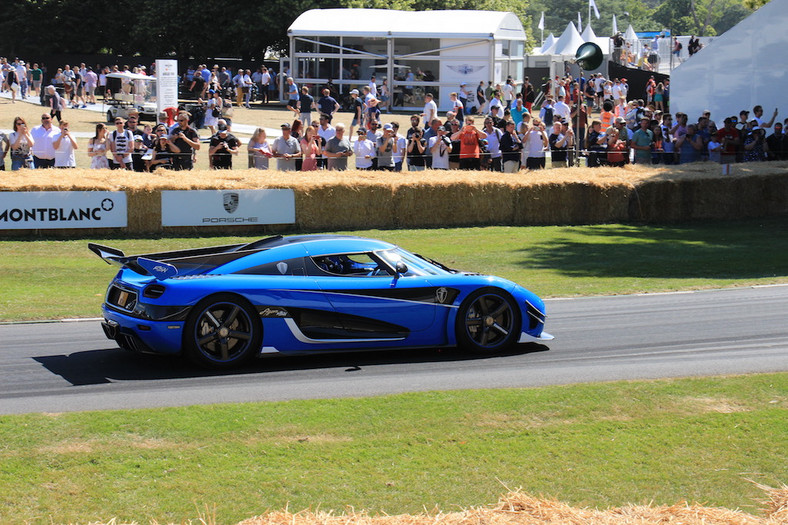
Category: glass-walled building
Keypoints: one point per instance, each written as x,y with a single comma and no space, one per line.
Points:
416,51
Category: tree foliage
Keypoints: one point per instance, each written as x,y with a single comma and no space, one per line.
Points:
249,27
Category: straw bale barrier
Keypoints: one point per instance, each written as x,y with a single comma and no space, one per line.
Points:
520,508
362,199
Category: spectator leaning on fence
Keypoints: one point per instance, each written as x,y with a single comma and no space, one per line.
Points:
286,149
338,149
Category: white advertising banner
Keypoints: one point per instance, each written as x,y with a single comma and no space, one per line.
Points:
224,207
33,210
166,84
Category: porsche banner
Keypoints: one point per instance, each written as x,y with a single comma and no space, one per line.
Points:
227,207
39,210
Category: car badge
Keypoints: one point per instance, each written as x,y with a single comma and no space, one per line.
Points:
441,294
158,269
230,202
282,267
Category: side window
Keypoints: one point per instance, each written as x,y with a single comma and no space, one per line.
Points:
349,265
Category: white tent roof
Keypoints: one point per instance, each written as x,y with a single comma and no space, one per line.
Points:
630,35
589,36
739,69
129,76
548,45
568,42
408,24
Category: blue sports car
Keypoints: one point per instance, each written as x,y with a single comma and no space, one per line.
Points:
310,293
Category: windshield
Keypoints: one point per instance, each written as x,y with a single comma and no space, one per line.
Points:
416,265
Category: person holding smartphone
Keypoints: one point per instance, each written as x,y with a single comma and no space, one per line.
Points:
65,144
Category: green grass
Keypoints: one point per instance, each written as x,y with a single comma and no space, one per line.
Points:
589,445
46,279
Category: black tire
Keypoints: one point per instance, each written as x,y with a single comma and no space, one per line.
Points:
488,321
222,331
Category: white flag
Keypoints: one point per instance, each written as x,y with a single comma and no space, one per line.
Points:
541,22
615,25
591,3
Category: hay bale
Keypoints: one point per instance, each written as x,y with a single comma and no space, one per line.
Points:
453,204
144,211
572,203
344,206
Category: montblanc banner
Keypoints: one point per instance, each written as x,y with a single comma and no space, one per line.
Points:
44,210
227,207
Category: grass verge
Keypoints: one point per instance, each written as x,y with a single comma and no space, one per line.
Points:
47,279
587,445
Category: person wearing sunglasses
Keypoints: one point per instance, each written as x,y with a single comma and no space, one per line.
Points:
44,143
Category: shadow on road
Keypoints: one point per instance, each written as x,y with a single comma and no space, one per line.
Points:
97,367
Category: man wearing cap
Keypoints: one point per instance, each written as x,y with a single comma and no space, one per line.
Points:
386,148
364,149
223,146
358,109
642,139
286,149
462,95
338,149
440,147
730,139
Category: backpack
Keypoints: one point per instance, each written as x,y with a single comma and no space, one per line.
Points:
548,117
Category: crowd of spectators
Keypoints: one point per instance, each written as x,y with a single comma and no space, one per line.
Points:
500,130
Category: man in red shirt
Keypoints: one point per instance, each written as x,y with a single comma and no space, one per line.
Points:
729,137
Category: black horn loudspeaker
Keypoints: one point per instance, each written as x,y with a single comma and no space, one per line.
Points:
589,56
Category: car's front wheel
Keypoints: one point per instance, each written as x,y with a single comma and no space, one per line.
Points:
488,321
222,331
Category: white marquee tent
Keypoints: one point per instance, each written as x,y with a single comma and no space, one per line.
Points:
450,47
744,67
568,42
589,36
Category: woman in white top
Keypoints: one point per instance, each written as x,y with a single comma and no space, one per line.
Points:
97,148
259,150
213,103
65,144
364,149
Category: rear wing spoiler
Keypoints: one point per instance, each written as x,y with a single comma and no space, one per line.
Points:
164,265
138,263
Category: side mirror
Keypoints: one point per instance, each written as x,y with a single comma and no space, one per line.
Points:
401,268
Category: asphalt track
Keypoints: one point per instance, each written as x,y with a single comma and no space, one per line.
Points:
70,366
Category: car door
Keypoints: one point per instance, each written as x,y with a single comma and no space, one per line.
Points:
368,297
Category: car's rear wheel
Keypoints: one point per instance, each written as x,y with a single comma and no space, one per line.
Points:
222,331
488,321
